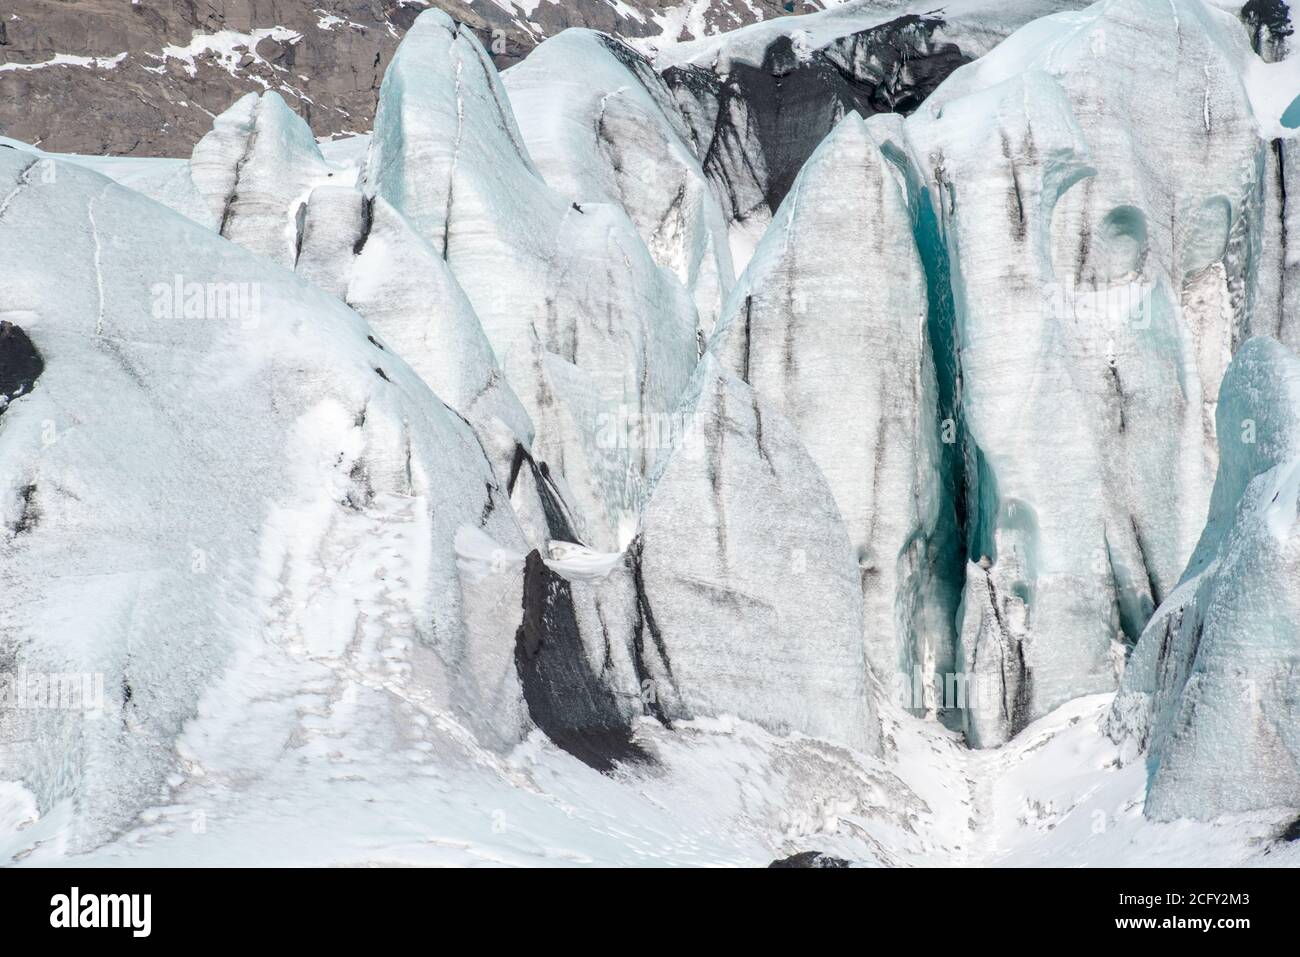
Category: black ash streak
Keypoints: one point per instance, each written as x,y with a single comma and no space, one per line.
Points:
565,698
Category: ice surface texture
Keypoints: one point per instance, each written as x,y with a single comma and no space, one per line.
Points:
1097,294
1211,690
183,471
828,325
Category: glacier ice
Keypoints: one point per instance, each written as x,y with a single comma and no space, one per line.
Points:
703,614
538,267
1210,693
602,127
828,324
759,100
1097,297
398,283
747,570
255,170
280,417
1027,626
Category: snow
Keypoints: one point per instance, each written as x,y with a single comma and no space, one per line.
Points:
68,59
478,556
580,563
727,794
523,8
329,21
1274,89
134,172
317,454
226,47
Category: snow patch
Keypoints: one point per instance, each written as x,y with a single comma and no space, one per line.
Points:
228,48
68,59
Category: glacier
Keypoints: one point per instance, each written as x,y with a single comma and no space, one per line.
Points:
868,435
840,346
286,421
1096,300
612,134
1210,694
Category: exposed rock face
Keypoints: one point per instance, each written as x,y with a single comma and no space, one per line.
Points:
757,123
145,77
810,859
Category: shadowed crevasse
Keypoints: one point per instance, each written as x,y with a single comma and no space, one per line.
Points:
559,524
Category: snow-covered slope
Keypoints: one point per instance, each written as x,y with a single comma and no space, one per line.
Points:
204,428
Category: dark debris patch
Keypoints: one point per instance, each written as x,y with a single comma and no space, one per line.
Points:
1291,832
791,101
20,364
1272,16
28,512
810,859
565,698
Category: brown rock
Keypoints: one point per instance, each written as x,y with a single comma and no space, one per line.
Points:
132,107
